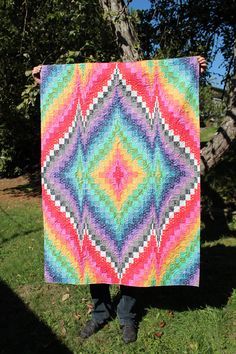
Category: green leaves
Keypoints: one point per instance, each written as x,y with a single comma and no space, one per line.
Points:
28,95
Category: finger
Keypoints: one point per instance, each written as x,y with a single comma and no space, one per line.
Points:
201,60
36,74
36,69
37,80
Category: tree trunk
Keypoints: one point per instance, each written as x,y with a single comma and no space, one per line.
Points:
211,154
126,36
127,42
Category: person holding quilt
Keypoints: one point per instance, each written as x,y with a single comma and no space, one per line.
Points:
103,310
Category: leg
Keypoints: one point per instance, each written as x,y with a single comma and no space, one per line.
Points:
126,307
102,302
101,312
127,314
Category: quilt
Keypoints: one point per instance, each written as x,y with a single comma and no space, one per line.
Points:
120,172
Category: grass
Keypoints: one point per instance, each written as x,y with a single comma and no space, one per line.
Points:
207,133
46,318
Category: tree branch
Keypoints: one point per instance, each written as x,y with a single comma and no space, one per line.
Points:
211,154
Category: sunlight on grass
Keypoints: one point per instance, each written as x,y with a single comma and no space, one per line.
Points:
21,243
225,241
207,133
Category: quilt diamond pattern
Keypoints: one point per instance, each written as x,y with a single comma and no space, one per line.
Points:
120,167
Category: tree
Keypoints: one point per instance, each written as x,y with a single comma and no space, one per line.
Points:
116,12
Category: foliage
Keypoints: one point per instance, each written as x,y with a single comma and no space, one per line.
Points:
209,108
207,133
183,28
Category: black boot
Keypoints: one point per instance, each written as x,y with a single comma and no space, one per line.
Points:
90,328
129,331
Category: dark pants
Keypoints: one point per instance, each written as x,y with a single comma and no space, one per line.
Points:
103,307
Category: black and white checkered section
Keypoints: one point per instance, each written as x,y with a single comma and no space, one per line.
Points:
50,158
120,269
100,97
117,78
186,196
135,253
139,100
101,248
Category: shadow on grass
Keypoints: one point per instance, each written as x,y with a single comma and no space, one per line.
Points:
22,331
17,234
218,198
217,281
30,189
213,214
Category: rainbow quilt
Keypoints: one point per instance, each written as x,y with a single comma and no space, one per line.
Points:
120,167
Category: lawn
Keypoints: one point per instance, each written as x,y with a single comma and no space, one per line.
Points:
207,133
46,318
